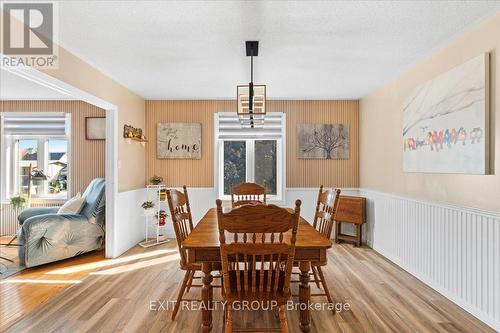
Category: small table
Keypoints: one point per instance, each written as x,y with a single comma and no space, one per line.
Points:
350,210
203,247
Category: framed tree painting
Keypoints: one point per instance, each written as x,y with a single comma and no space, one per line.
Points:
178,141
323,141
445,121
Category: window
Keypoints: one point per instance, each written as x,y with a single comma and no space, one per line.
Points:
57,169
250,155
235,164
36,142
27,156
265,163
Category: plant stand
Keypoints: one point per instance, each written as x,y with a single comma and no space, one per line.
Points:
153,192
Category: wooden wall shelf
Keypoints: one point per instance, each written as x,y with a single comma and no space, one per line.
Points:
137,139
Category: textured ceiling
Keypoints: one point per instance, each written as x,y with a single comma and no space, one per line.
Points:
14,87
311,50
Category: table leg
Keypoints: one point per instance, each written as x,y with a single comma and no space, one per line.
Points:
359,234
304,296
207,297
338,227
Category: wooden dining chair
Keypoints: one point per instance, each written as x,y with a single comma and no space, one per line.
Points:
247,193
257,245
324,219
180,210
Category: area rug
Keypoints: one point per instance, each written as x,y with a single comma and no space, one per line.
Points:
8,268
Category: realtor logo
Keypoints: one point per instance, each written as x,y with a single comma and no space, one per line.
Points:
28,34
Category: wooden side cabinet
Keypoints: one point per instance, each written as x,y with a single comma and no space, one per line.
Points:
350,210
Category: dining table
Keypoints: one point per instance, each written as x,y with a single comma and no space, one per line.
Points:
203,248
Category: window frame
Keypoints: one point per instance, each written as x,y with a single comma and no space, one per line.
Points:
279,197
9,161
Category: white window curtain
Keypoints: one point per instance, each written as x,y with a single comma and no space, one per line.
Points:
228,127
34,124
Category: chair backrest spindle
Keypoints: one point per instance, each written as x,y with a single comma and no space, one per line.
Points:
257,245
248,193
180,210
326,207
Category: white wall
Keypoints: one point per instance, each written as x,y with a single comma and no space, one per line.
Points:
453,249
381,148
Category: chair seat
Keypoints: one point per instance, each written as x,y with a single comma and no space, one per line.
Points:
192,267
247,202
261,295
197,267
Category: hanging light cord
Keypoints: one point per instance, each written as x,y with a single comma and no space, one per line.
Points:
250,86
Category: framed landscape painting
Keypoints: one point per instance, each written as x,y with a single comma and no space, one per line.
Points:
178,141
445,122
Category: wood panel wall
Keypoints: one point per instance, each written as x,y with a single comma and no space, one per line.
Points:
87,156
299,173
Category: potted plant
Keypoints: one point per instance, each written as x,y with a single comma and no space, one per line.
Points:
156,180
19,202
38,176
148,207
162,218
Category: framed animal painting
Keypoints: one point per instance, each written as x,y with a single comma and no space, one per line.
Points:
445,122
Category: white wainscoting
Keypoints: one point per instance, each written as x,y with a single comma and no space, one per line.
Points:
454,250
129,224
203,198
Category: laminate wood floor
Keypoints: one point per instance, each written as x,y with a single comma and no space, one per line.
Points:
92,294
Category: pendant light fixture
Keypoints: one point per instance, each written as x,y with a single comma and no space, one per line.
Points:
251,98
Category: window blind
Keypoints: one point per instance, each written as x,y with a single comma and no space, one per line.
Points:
229,127
33,124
